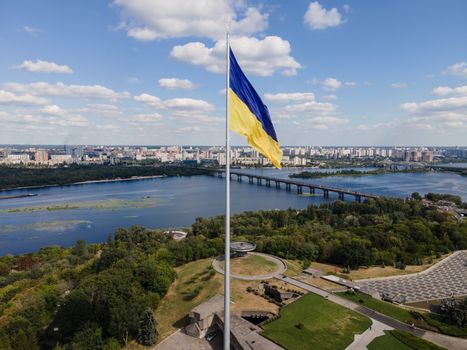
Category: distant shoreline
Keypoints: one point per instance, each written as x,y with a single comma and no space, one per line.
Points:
134,178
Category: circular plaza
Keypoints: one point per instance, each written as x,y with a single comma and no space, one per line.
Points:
245,264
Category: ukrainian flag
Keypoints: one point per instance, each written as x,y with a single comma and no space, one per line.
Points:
249,117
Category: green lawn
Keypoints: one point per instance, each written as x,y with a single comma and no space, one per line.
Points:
388,342
325,325
251,265
427,320
380,306
398,340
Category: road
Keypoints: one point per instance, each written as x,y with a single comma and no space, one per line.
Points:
445,341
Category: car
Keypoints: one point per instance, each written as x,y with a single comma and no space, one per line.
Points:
211,336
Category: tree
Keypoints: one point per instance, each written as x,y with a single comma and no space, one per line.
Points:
124,319
88,338
76,311
21,335
111,344
455,312
147,334
5,343
21,341
80,249
416,196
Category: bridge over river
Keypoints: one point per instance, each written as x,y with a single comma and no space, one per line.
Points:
287,184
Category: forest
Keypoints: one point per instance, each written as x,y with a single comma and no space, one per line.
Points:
20,176
353,172
385,231
102,296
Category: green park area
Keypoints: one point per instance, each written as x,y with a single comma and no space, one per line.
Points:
251,265
313,322
426,320
196,282
398,340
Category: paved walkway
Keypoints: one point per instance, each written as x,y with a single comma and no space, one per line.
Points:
451,343
180,340
362,341
281,267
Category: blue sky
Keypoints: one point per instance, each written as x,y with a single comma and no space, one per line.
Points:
151,71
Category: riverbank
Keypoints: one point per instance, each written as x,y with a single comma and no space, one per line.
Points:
21,178
134,178
19,196
352,172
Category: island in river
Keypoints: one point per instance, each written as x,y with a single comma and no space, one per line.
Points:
14,177
353,172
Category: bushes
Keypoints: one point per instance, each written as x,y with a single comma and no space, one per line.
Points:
299,325
147,333
386,231
413,341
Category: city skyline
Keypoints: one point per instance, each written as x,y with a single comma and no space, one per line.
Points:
147,73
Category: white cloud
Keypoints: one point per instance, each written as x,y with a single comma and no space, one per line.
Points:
49,117
399,85
149,100
174,83
195,118
330,97
436,105
176,104
52,110
7,97
161,19
188,104
188,129
317,17
133,80
142,34
100,109
44,67
458,69
313,106
331,84
31,30
323,123
445,90
257,56
63,90
289,72
366,127
146,118
4,119
443,115
290,96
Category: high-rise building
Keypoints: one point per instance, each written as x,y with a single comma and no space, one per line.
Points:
78,151
427,156
41,156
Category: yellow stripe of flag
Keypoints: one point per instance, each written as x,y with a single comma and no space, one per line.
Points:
249,117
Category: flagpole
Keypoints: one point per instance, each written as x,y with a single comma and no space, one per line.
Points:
227,200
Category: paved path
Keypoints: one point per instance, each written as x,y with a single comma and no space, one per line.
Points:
362,341
451,343
281,267
180,340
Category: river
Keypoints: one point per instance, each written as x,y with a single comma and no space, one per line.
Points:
61,215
